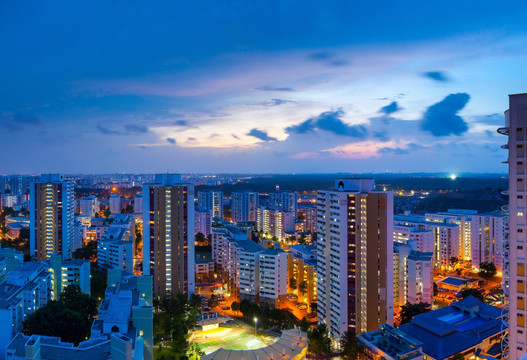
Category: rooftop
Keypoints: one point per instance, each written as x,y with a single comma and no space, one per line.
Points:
454,328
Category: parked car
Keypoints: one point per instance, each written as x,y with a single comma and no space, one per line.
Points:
302,307
225,307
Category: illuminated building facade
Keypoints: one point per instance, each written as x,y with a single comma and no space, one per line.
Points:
52,217
168,235
354,257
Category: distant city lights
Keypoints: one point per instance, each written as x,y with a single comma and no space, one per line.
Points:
453,177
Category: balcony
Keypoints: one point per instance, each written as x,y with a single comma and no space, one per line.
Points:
503,131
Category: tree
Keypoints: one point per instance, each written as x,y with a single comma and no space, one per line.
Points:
319,340
199,238
436,290
474,292
292,282
69,318
313,307
212,300
454,260
351,348
487,270
457,356
304,324
408,311
235,306
107,213
87,252
302,287
77,301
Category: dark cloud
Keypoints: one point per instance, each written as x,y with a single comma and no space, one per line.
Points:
329,121
272,88
236,137
143,147
436,75
106,131
390,109
275,102
191,139
262,135
16,122
27,119
134,128
181,123
492,119
412,147
171,140
327,58
441,119
302,128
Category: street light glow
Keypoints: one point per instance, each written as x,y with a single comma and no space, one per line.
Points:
453,177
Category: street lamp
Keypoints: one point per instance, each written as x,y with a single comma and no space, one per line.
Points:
255,322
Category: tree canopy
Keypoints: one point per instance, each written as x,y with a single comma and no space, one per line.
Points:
408,311
487,270
351,348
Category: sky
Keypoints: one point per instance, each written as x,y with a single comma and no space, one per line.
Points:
258,86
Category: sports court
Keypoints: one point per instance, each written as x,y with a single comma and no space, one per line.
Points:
230,338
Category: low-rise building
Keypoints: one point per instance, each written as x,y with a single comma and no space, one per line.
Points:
467,327
204,270
69,272
301,266
202,221
390,343
123,329
116,249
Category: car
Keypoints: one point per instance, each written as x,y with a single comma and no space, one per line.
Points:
225,307
302,307
292,296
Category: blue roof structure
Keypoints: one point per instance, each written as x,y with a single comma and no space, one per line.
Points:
455,328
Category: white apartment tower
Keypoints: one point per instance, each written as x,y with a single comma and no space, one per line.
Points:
51,219
212,200
354,257
515,228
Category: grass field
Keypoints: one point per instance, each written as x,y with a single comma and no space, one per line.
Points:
230,338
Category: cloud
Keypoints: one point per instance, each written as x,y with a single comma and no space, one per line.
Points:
272,88
27,119
436,75
390,109
236,137
302,128
134,128
441,119
181,123
329,121
276,102
171,140
327,58
191,139
262,135
409,148
106,131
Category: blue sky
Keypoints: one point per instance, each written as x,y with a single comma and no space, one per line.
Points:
258,86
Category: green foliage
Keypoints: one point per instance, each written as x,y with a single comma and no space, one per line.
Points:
69,318
436,290
235,306
319,340
302,287
474,292
87,252
199,237
351,348
245,307
98,281
292,283
173,322
304,324
454,260
408,311
456,356
487,270
107,213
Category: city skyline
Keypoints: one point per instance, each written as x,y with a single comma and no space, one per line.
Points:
258,88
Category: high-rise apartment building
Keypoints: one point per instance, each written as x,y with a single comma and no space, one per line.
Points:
284,200
168,235
52,217
487,239
138,203
275,222
243,206
354,257
114,203
213,201
515,228
89,205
